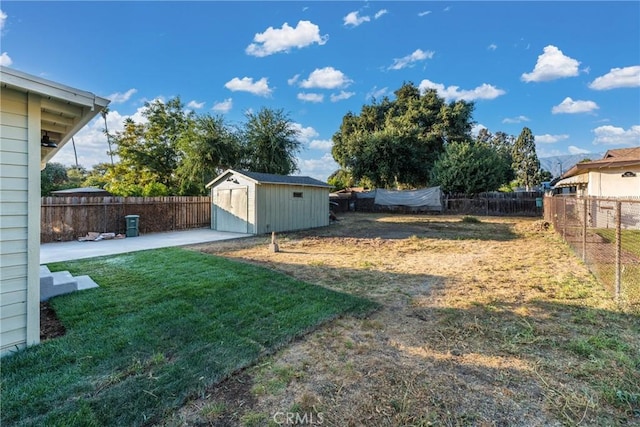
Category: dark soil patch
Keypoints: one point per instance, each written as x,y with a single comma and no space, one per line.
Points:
50,325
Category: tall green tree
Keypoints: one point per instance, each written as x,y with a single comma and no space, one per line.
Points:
525,160
52,178
470,168
271,142
151,149
212,148
394,143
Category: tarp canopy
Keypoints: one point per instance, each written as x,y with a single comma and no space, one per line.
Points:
426,197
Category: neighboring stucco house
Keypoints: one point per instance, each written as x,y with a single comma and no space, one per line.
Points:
258,203
616,175
37,118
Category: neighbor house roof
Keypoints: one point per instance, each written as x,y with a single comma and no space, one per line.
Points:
64,110
269,178
612,159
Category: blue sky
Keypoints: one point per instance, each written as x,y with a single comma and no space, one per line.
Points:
568,70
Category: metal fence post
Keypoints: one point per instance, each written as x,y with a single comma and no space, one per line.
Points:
584,230
618,247
564,218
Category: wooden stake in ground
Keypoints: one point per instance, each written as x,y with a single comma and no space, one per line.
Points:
274,246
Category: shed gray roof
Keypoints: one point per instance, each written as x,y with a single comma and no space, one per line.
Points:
269,178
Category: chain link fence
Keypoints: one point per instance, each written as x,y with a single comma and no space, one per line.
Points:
605,233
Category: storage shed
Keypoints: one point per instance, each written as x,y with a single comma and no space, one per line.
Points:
37,118
258,203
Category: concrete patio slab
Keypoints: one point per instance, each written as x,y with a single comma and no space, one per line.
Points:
65,251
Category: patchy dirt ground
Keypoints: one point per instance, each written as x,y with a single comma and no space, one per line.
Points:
481,324
493,323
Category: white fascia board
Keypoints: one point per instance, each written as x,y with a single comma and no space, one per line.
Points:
48,89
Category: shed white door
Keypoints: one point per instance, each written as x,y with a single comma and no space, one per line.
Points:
231,209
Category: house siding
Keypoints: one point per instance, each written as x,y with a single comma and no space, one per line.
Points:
14,219
609,183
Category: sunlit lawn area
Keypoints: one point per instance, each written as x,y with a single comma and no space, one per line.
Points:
163,326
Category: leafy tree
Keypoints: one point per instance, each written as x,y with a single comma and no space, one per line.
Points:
395,143
470,168
213,148
340,180
271,142
155,189
525,160
52,178
97,177
152,148
76,175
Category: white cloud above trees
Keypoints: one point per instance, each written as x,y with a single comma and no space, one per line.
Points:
223,106
277,40
569,106
617,78
552,64
246,84
326,78
411,59
484,91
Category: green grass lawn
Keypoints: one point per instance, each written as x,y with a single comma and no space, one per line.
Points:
630,239
163,326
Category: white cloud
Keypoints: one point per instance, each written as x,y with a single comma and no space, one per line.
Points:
551,65
380,13
246,84
3,19
5,60
305,134
612,135
518,119
569,106
484,91
293,80
550,139
275,40
577,150
475,129
311,97
119,98
425,13
410,60
318,168
354,19
376,93
341,96
492,46
91,142
321,144
326,78
618,77
223,106
195,104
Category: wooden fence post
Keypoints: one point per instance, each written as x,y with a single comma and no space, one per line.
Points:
618,248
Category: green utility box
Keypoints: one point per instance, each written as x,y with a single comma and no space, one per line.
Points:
132,225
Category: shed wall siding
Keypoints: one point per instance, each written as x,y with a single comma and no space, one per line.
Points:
279,211
14,219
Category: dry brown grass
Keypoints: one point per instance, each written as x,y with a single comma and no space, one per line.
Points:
490,323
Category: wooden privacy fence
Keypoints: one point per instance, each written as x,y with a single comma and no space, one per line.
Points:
68,218
520,203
